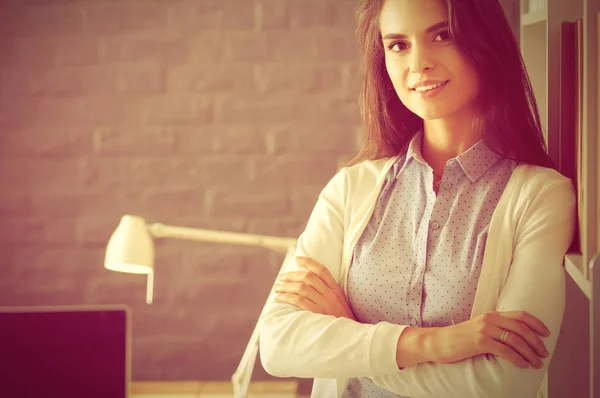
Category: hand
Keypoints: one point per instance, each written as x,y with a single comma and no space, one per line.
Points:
314,290
484,334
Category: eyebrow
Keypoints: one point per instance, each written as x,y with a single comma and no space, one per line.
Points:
430,29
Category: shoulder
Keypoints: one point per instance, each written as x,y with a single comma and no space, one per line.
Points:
534,179
536,185
355,183
367,170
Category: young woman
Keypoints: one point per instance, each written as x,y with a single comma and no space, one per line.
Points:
431,265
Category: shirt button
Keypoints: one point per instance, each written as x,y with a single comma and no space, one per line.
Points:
435,225
447,185
452,163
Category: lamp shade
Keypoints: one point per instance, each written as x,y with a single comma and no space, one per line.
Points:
130,248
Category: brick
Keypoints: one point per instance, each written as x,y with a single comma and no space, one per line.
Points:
67,203
40,20
133,140
246,47
264,110
10,54
351,82
296,77
49,52
181,110
337,46
304,199
222,138
247,202
37,230
50,111
239,139
192,141
209,47
123,18
113,287
310,138
311,14
175,110
293,46
134,50
73,51
343,14
48,263
16,204
196,17
282,108
142,172
272,14
213,78
78,81
337,109
41,81
218,262
164,206
164,322
229,294
122,79
285,171
288,226
43,173
226,171
41,292
45,141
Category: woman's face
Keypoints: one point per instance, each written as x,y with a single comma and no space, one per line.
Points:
418,48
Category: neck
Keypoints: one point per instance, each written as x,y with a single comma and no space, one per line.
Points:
446,138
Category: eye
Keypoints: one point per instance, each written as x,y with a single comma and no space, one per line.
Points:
445,33
397,43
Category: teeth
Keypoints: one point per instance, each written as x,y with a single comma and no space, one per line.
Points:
422,89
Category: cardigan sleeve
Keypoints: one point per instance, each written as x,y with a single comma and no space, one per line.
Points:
299,343
535,283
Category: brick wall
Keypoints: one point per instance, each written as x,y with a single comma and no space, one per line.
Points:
222,114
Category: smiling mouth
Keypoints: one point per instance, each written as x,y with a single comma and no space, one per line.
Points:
436,86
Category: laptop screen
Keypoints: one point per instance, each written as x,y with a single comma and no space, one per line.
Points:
60,352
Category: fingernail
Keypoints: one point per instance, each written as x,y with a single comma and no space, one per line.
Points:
539,365
548,332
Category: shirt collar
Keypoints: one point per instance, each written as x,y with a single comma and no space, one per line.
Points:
474,162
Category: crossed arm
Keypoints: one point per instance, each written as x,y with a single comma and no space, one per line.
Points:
303,344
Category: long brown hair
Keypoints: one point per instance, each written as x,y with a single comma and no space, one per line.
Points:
509,122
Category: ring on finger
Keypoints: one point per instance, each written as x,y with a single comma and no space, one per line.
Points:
504,336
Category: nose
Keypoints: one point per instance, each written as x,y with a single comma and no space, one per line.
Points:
420,59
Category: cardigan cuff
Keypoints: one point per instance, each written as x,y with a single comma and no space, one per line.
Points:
384,344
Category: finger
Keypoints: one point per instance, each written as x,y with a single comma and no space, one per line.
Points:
319,269
307,277
524,332
520,346
298,289
506,352
530,320
300,302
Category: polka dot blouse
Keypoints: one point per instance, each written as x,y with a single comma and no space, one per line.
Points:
418,260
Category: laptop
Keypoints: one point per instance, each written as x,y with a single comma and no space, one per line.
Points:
65,351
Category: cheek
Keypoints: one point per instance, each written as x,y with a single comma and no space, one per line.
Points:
398,78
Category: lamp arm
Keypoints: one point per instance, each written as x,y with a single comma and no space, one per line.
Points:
276,243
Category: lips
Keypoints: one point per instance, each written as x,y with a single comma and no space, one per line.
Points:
430,83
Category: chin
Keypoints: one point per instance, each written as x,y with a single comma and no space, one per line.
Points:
431,114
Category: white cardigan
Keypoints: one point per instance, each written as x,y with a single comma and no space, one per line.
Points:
529,234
